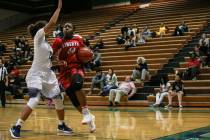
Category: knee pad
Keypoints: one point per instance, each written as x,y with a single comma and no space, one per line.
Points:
72,96
77,82
58,103
33,102
33,92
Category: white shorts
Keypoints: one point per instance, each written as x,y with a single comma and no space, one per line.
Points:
45,81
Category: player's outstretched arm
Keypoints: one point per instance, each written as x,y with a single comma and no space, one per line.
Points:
48,27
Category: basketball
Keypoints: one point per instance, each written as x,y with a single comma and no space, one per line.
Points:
85,54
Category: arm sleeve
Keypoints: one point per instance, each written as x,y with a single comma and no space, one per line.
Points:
56,45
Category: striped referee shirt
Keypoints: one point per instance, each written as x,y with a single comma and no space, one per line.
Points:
3,73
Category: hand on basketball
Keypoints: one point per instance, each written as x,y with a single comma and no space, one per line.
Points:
60,4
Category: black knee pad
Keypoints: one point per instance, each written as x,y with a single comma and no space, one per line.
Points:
72,95
77,82
33,92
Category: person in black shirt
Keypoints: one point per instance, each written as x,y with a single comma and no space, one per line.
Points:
177,89
124,31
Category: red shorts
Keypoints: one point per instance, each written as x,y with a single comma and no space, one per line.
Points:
65,76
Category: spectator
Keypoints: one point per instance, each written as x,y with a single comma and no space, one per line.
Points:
177,89
180,29
193,68
98,81
162,30
124,31
15,83
127,43
202,59
99,44
2,48
96,59
204,45
17,41
26,49
140,70
125,88
111,82
3,82
139,37
164,88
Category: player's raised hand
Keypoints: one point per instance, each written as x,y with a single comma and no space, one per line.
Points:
60,3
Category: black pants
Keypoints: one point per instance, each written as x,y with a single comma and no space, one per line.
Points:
2,94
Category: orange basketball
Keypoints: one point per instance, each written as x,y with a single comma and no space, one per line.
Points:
85,55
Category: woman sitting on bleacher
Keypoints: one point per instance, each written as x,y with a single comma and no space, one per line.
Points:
162,30
140,70
204,47
125,88
177,89
180,29
139,37
164,89
193,67
110,83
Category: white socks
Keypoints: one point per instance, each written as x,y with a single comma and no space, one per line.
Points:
19,122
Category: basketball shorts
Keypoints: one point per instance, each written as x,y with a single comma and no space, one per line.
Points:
45,81
66,76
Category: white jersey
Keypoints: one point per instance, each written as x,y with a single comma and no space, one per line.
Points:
42,52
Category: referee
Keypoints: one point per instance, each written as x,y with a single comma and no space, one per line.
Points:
3,82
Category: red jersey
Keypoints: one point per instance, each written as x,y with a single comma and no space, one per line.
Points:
67,51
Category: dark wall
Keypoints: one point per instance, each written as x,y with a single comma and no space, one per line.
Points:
69,6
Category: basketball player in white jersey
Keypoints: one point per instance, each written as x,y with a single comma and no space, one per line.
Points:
40,79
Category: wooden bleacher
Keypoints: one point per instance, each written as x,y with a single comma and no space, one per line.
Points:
157,51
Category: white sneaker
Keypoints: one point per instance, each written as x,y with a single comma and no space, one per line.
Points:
91,124
87,118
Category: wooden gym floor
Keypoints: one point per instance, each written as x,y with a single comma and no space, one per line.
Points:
113,124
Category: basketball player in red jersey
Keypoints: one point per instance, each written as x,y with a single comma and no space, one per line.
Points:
72,72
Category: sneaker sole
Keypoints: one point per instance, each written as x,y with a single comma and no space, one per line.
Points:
13,136
65,132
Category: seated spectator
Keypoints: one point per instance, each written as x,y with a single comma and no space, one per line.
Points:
26,49
98,81
148,34
111,82
2,48
139,37
127,43
193,68
125,88
140,70
15,83
58,31
202,59
204,45
124,31
17,41
164,89
162,30
177,89
99,44
180,29
96,59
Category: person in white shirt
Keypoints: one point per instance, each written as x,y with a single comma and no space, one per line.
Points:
125,88
164,89
40,79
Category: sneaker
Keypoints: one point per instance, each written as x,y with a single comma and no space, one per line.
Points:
15,132
110,104
91,124
64,129
116,103
155,105
168,106
86,119
180,106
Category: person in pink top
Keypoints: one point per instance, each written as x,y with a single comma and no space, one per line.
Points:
127,87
